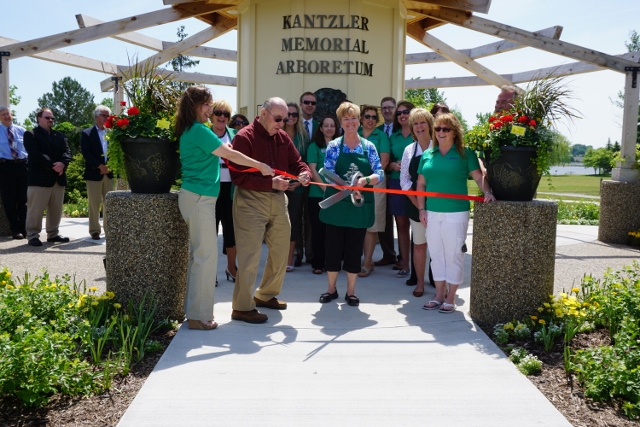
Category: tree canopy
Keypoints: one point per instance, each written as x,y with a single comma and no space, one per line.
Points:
600,160
69,101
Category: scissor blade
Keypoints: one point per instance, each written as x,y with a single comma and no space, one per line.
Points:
332,200
332,177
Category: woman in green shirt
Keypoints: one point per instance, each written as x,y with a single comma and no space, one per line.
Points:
200,150
444,169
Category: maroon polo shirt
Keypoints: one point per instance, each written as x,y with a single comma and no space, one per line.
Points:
276,150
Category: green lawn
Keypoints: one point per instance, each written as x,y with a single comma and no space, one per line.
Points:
578,184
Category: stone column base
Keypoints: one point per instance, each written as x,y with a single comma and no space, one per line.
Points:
513,261
619,210
147,250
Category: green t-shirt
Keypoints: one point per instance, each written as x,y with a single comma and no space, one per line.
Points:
316,155
398,144
200,168
379,139
447,174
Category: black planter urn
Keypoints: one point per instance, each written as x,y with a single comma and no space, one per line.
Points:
151,164
513,176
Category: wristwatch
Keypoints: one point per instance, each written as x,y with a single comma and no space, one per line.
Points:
368,180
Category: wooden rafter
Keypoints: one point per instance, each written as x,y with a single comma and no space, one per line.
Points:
479,51
453,55
518,35
137,39
224,25
83,35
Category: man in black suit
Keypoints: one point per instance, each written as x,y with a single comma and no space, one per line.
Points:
98,178
49,156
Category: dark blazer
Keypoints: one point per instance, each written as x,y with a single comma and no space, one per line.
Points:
44,150
93,154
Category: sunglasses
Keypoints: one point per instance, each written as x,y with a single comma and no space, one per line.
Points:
276,119
294,115
441,129
370,117
309,102
401,112
48,118
219,113
236,123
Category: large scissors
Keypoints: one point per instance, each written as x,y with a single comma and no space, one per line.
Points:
335,179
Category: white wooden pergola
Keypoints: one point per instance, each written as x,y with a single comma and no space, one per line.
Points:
422,16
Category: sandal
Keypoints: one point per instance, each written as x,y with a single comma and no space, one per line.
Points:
316,271
327,297
433,305
290,268
447,308
366,271
352,300
402,273
202,326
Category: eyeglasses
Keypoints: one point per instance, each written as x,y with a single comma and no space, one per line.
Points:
219,113
401,112
441,129
48,118
305,102
294,115
104,115
236,123
370,117
276,119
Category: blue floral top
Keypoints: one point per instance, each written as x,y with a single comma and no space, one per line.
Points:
333,151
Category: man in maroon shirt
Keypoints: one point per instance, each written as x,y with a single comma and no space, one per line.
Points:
260,211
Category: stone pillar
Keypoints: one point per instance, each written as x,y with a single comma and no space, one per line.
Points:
147,250
513,261
619,210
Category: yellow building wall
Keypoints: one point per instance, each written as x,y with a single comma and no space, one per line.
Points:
266,59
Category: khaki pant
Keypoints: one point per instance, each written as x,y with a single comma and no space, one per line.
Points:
258,216
39,199
96,193
199,212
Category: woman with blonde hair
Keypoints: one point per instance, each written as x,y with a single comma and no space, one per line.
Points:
444,169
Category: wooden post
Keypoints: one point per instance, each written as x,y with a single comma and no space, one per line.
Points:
4,80
625,170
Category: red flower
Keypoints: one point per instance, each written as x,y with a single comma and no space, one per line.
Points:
492,119
133,111
507,119
496,125
123,103
523,119
122,123
532,123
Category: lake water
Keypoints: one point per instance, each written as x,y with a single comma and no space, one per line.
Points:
571,170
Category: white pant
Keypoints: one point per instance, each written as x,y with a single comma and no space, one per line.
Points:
419,232
446,233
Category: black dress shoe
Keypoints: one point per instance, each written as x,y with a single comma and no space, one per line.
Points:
35,242
18,236
94,236
58,239
326,297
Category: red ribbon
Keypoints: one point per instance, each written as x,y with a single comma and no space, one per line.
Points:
375,190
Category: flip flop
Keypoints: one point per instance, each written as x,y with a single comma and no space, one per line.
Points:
290,268
447,308
429,306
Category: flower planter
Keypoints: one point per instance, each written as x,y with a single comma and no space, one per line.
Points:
151,164
513,176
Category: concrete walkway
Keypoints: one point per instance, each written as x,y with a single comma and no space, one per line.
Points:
386,362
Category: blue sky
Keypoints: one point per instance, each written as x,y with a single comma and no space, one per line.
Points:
587,23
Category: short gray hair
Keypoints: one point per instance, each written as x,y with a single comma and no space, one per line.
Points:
3,107
99,109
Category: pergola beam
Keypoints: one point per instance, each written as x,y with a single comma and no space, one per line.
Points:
486,26
69,59
223,25
210,52
522,77
453,55
137,39
108,29
481,6
483,51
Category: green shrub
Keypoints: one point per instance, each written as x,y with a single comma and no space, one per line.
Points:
75,179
